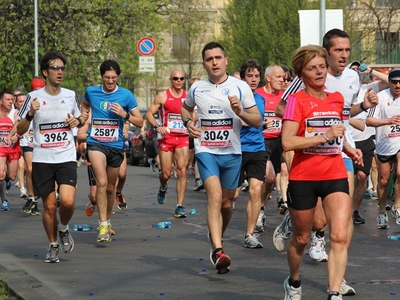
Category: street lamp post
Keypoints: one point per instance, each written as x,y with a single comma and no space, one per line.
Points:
36,38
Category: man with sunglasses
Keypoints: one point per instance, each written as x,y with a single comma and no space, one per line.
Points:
386,118
53,111
173,138
272,93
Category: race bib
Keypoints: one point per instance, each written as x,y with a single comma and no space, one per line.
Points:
30,137
55,135
3,137
105,130
276,122
320,125
175,124
216,133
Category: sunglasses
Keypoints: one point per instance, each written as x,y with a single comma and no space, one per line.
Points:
287,79
57,68
394,81
178,78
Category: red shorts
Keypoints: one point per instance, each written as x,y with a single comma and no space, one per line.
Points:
11,153
170,142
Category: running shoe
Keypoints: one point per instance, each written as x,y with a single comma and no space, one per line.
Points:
104,234
90,208
382,221
198,185
234,204
153,164
23,193
374,195
121,202
220,260
162,195
345,289
29,204
283,208
279,201
317,249
4,206
245,186
66,240
291,293
190,170
35,211
335,297
112,232
52,254
282,233
8,185
396,214
250,241
357,219
260,222
179,212
17,184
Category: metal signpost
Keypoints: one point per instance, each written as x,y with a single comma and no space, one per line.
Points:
146,47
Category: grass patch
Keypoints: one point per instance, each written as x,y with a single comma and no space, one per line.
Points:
6,293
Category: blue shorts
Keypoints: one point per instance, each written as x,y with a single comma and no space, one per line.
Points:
225,167
348,163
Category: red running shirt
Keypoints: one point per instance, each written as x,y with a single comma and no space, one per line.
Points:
271,102
170,113
316,116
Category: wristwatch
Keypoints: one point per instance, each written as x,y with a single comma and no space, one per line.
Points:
186,121
156,126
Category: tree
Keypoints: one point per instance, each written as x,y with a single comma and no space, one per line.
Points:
264,30
87,32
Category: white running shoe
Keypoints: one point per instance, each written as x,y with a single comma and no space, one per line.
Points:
282,233
396,214
317,249
250,241
345,289
23,193
382,221
291,293
260,222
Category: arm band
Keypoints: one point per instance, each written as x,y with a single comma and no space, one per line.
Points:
28,117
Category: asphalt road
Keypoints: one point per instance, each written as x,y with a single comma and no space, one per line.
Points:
149,263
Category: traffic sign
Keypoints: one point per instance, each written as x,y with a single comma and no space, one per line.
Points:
146,46
147,64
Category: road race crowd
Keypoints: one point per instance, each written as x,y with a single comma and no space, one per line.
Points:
315,132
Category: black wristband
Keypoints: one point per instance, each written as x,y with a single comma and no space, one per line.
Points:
28,117
363,107
80,122
127,116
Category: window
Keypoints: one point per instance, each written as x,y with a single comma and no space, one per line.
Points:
388,48
381,3
179,44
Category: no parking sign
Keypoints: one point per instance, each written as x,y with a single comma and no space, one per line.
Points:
146,46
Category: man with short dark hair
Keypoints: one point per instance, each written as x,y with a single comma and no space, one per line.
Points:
111,106
223,102
53,111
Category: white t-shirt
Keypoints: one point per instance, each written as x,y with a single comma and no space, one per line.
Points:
220,126
359,135
53,140
387,136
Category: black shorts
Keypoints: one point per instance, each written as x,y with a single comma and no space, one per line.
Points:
114,156
303,195
253,166
367,148
25,149
191,142
387,158
44,176
274,150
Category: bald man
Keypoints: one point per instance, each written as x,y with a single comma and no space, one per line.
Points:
173,138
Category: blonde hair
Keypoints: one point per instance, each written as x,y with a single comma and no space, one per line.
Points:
302,56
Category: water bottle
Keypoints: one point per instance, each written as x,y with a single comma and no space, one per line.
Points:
192,211
363,67
162,225
394,237
82,227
